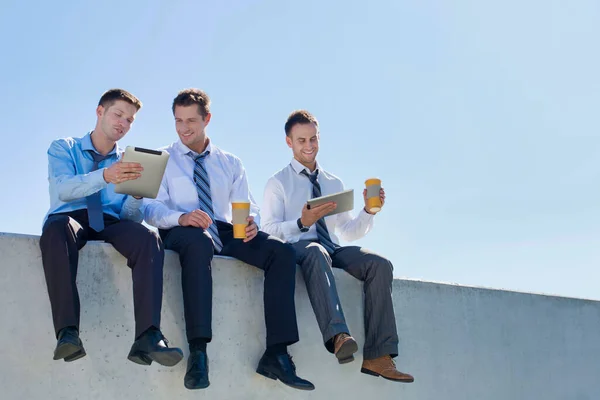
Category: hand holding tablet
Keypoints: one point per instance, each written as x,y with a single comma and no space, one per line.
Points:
146,181
344,201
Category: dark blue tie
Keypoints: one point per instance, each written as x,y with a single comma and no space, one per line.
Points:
203,188
94,201
322,232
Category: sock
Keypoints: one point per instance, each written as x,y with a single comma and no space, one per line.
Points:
198,344
149,330
72,327
276,349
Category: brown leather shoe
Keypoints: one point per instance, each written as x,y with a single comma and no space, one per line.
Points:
386,368
344,347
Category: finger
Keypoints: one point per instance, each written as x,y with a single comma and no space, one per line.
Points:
250,219
130,176
322,206
249,237
130,170
132,165
206,221
326,211
250,228
195,221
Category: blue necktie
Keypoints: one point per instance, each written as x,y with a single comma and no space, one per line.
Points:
203,188
322,232
94,201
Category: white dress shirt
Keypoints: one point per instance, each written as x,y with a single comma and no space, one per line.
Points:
178,195
286,193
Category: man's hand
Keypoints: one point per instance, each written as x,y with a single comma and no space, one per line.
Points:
122,171
310,217
251,229
196,218
381,197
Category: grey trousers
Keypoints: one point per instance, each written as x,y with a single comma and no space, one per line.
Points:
381,336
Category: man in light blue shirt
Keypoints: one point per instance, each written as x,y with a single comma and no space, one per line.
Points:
84,206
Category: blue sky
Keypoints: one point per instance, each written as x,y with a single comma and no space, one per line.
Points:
481,117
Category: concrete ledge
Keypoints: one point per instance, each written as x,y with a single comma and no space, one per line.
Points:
459,342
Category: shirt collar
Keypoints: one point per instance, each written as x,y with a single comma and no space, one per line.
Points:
87,145
299,167
183,149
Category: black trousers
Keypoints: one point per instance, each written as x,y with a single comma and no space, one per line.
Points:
276,258
64,234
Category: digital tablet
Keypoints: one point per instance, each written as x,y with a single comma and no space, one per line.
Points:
344,201
154,163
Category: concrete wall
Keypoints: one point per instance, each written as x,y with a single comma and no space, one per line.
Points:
459,342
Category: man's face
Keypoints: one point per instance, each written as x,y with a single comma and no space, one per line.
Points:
190,126
116,120
304,142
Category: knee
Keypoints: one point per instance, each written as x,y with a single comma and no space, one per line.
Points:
55,225
196,241
280,249
314,253
149,236
381,268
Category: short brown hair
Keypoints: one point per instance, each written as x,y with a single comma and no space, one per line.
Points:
110,96
189,97
299,117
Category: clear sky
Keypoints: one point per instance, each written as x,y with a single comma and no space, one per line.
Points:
480,117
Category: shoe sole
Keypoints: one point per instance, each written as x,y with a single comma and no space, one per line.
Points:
271,375
372,373
345,353
196,387
76,356
167,359
68,350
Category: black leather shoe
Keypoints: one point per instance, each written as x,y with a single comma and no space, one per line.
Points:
196,376
282,367
69,345
152,346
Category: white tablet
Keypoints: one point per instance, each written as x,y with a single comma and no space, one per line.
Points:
344,201
154,163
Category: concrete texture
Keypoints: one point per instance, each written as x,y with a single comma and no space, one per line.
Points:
461,343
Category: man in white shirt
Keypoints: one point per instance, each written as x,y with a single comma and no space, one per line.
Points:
193,214
317,250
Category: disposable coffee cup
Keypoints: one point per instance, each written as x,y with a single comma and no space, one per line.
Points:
373,200
240,211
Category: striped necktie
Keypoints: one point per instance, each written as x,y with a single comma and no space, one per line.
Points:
322,232
203,188
94,201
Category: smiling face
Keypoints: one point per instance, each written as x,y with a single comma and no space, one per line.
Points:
191,126
303,139
115,120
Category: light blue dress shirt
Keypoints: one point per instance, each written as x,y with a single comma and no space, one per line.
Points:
70,180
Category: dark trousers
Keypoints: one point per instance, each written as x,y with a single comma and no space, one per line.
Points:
276,258
64,234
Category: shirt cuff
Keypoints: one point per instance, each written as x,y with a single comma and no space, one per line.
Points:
96,178
135,203
363,215
290,229
172,220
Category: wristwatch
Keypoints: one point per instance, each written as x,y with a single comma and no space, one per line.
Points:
302,227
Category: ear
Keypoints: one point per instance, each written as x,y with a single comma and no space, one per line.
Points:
207,118
99,111
288,140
